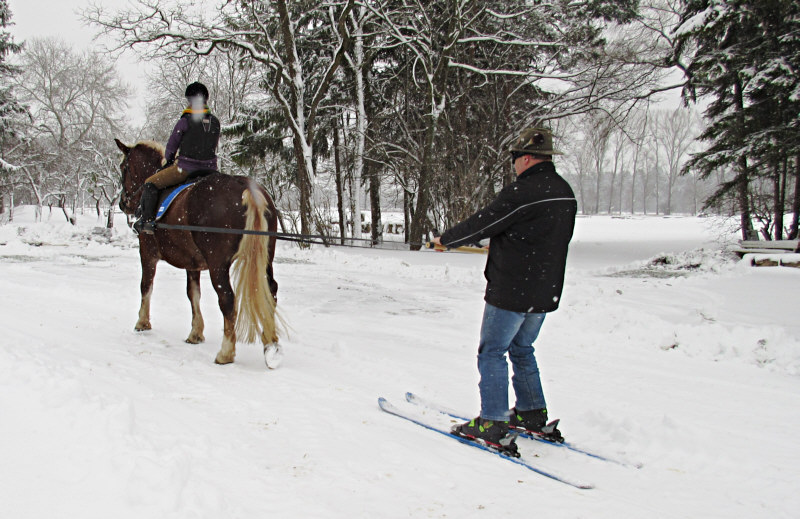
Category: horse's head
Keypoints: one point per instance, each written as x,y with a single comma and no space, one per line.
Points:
138,163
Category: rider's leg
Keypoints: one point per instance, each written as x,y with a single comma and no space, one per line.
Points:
148,204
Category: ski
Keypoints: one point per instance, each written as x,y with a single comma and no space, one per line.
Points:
387,407
418,400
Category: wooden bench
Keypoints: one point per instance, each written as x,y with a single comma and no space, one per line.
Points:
767,247
769,253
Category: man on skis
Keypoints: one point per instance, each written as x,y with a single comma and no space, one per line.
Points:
529,225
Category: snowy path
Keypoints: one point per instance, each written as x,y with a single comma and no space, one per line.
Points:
696,377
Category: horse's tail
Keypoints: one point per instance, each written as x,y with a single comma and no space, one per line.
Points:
255,306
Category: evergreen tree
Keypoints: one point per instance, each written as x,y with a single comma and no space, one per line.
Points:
743,55
10,108
774,112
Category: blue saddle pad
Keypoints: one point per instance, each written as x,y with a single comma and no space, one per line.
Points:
162,208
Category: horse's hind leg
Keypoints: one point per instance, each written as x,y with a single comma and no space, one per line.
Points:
273,285
193,291
222,284
146,287
273,288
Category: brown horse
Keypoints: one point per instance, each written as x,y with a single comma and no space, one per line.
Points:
221,201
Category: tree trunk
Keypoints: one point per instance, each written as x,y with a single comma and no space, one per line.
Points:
419,222
303,186
615,171
743,199
658,192
369,170
793,227
352,191
361,121
743,181
670,183
110,220
373,176
597,187
408,212
339,185
779,178
62,204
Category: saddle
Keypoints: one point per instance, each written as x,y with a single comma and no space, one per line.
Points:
174,191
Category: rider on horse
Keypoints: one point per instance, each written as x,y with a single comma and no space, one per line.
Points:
195,136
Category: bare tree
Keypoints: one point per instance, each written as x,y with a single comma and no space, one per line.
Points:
602,126
619,142
635,163
675,133
75,98
358,62
638,124
103,177
270,34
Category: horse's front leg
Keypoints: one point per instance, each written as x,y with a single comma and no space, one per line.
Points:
193,291
222,284
146,287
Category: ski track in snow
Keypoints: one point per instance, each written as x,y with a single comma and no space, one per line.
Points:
693,373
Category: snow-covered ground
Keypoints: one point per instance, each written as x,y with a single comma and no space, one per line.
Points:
666,352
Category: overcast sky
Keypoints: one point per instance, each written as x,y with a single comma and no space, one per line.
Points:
61,19
34,18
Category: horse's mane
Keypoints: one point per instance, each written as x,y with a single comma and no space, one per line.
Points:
153,145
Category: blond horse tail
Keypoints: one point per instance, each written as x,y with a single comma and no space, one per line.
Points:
255,306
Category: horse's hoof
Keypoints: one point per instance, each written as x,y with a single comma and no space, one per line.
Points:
140,327
273,355
223,359
195,338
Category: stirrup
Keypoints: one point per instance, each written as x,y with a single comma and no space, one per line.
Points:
143,227
149,227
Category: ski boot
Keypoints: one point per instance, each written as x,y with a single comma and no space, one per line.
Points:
535,422
494,435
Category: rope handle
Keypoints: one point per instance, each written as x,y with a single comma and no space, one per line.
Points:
442,248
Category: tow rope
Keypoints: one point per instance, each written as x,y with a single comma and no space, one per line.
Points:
311,239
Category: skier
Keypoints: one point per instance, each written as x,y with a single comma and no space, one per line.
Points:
529,224
195,136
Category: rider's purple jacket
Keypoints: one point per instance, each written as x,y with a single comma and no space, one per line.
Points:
196,138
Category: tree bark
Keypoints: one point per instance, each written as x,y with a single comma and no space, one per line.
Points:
339,183
303,186
419,222
793,227
779,179
743,181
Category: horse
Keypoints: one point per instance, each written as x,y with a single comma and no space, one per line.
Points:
220,201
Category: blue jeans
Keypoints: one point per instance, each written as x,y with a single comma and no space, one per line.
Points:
513,332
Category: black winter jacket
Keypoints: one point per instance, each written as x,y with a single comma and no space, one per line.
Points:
530,224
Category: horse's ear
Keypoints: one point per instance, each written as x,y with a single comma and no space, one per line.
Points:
124,149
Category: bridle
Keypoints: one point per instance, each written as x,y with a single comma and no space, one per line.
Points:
125,172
